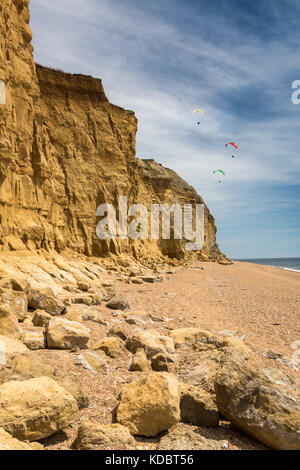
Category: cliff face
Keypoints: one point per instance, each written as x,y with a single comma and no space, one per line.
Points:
160,185
17,117
64,149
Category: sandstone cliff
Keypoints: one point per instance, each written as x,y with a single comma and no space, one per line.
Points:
65,149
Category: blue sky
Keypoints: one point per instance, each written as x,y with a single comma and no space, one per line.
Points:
236,59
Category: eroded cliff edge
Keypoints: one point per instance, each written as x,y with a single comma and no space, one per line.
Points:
65,149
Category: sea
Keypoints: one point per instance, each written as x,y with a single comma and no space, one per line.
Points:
289,264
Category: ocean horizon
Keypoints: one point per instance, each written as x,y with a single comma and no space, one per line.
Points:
289,264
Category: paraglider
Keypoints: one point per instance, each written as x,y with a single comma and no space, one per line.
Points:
233,144
199,111
219,171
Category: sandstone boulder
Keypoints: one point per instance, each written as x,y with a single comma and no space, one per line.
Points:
42,300
151,341
94,316
204,340
152,279
8,323
20,284
11,346
200,364
185,335
83,300
65,334
119,331
24,367
197,407
34,340
7,442
234,343
41,318
258,407
35,409
186,439
150,405
110,345
139,318
109,292
293,363
160,361
84,286
139,362
76,391
280,378
137,280
73,314
117,302
112,436
93,361
97,298
16,303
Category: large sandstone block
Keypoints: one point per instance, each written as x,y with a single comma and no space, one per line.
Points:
151,341
21,367
35,409
7,442
34,340
160,361
41,300
204,340
66,334
185,335
24,367
110,436
41,318
150,405
110,345
8,323
93,361
76,391
138,317
208,355
257,407
73,314
118,302
139,362
187,439
197,406
16,303
11,346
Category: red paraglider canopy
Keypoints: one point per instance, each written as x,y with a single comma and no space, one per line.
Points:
233,144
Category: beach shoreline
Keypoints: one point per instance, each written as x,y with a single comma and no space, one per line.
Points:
286,263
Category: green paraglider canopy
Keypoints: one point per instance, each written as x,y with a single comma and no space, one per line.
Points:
220,171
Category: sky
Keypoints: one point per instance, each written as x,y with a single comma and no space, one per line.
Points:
236,59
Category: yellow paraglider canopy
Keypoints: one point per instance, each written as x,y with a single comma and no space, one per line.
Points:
199,111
